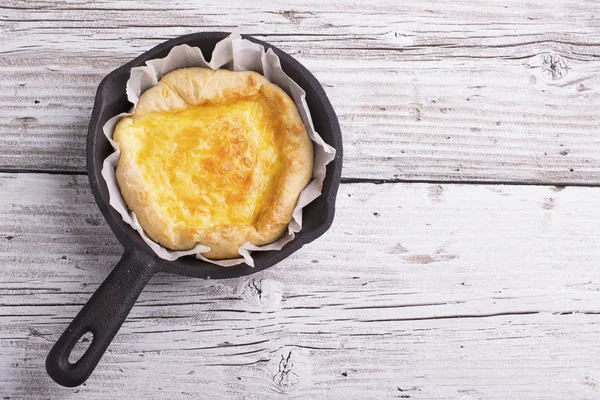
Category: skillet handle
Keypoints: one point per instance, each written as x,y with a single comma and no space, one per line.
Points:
102,315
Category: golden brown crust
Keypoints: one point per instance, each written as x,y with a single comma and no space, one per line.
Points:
183,90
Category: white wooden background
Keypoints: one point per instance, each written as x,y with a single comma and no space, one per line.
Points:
463,261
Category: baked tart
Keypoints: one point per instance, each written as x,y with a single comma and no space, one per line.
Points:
216,158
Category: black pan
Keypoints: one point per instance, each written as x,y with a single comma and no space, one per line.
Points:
108,307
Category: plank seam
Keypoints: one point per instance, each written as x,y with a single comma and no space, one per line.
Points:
375,181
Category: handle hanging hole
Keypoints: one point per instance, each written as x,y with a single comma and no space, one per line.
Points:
82,345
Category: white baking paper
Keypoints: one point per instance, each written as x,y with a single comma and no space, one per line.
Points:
232,53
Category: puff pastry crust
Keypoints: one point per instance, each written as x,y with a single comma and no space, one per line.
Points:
217,158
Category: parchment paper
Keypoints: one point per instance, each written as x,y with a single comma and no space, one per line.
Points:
236,54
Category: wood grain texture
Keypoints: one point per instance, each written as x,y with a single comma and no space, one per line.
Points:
418,291
425,90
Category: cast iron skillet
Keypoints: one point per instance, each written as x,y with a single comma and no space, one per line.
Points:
108,307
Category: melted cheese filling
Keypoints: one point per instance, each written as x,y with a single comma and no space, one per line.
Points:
211,165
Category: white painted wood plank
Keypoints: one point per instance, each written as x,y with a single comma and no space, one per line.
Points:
427,291
476,91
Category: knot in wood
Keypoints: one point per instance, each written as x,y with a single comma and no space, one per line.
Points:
550,67
289,368
262,293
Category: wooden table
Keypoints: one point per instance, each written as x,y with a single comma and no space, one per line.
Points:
463,261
